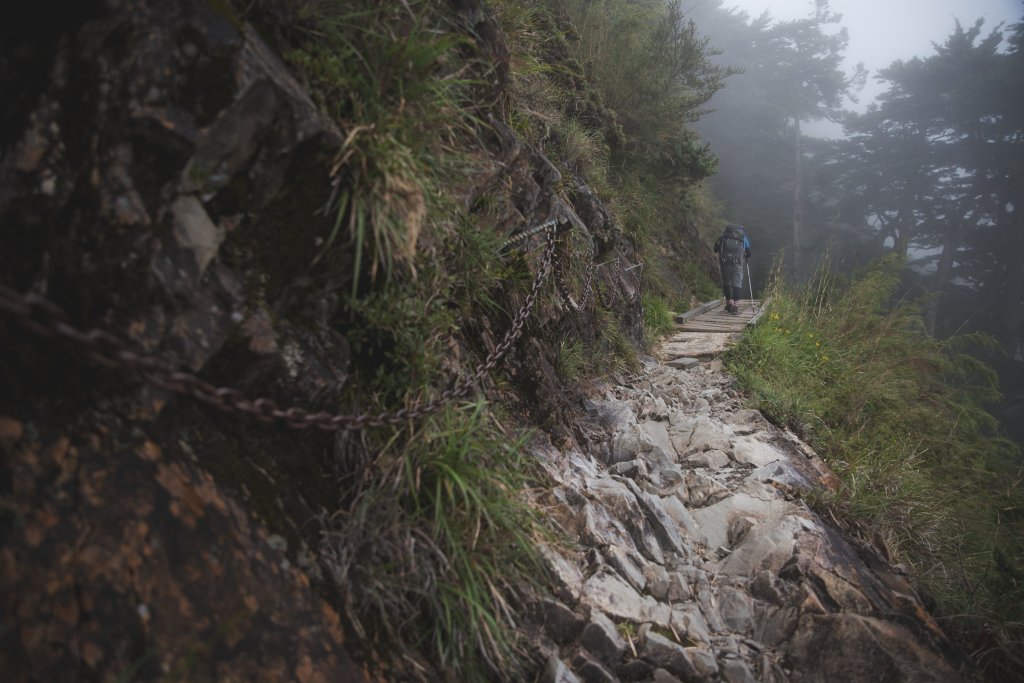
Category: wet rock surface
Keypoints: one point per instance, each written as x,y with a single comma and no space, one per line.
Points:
698,549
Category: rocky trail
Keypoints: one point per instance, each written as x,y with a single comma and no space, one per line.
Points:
700,560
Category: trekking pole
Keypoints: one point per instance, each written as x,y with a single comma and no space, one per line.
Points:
751,286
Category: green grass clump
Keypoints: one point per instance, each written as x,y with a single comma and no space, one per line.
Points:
435,543
900,417
389,75
657,317
699,283
613,352
571,362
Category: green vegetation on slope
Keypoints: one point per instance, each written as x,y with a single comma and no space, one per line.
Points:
435,535
900,417
428,547
429,544
607,88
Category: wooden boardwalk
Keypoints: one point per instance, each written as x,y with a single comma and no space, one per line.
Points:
711,317
707,330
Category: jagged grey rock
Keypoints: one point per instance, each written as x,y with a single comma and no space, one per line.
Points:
568,578
713,459
687,619
557,672
635,670
678,588
749,420
662,676
590,670
702,488
737,609
767,586
618,502
657,433
705,434
602,639
703,661
683,363
664,527
739,527
632,443
626,565
864,648
607,592
680,516
781,472
770,548
775,625
657,581
560,621
736,671
709,608
666,654
634,469
714,520
653,407
752,451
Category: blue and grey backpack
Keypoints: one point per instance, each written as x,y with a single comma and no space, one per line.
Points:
731,250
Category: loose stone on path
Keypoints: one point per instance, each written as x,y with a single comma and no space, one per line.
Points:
696,562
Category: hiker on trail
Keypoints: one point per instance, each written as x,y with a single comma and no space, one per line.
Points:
733,249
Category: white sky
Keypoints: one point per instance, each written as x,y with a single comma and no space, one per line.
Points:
882,31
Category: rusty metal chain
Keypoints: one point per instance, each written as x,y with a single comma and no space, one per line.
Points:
524,236
563,287
43,317
588,284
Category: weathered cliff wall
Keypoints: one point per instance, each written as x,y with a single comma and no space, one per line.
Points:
161,180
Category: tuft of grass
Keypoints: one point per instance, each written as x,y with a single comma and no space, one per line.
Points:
436,543
613,352
900,417
390,75
699,283
571,363
657,317
585,153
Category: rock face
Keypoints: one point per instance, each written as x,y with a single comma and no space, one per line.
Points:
139,564
139,136
699,547
162,178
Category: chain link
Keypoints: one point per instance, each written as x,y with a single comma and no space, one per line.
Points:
43,317
524,236
588,284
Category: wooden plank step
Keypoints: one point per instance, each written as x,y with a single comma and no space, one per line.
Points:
712,317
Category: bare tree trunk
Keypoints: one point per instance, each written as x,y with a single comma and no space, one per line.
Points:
798,211
1011,310
950,245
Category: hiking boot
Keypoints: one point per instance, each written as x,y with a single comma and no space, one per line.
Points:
735,310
